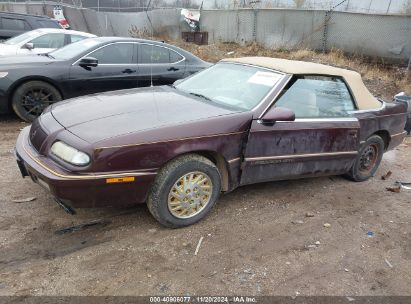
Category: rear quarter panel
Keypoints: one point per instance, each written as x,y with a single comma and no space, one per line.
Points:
390,120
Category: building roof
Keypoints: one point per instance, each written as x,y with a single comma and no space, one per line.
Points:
364,99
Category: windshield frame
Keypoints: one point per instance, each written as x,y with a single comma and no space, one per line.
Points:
78,56
29,36
271,92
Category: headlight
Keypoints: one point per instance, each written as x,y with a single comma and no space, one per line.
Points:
3,74
69,154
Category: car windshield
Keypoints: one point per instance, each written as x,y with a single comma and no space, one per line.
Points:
74,49
21,38
231,85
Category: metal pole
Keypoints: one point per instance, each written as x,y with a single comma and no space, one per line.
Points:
369,7
389,6
255,25
325,33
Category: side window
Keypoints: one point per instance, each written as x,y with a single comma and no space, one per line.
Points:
174,57
75,38
317,96
49,41
154,54
48,24
118,53
14,24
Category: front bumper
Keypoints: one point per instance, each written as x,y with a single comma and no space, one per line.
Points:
4,103
80,190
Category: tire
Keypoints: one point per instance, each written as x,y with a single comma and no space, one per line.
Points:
32,97
368,159
183,209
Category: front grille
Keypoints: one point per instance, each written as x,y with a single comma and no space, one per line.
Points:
37,135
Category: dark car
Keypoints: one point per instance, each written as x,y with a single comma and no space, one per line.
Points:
407,100
13,24
31,83
242,121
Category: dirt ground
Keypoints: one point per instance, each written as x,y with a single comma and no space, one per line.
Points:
257,241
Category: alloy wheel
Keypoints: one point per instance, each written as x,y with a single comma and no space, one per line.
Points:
190,194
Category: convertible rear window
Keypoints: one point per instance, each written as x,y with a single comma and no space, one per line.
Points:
232,85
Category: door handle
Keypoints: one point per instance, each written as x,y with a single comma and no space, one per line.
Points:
172,69
128,71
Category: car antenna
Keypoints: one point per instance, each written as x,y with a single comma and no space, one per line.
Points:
152,47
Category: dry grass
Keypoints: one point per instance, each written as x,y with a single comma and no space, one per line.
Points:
383,80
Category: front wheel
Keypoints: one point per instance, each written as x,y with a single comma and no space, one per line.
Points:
32,97
184,191
368,159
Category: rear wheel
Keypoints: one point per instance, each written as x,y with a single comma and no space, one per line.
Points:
32,97
184,191
368,159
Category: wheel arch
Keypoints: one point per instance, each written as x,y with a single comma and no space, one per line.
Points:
385,135
222,165
21,81
218,159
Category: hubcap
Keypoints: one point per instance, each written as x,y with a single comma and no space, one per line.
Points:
35,100
190,194
368,158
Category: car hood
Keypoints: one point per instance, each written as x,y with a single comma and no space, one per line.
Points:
114,116
6,49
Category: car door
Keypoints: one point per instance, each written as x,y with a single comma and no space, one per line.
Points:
159,65
116,70
323,139
10,27
44,44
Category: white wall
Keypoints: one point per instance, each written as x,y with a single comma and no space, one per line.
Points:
361,6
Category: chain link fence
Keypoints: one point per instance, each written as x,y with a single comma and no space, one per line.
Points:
356,6
385,36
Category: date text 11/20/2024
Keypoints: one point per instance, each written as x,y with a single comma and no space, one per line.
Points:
203,299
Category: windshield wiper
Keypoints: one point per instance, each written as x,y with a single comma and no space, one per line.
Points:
201,95
48,55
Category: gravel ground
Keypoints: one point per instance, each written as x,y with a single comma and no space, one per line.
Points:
257,241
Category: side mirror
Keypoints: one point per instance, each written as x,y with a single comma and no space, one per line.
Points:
277,114
29,46
88,62
399,94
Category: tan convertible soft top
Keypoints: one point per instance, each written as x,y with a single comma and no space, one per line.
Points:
365,100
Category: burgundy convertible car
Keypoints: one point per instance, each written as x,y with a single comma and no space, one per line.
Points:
242,121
